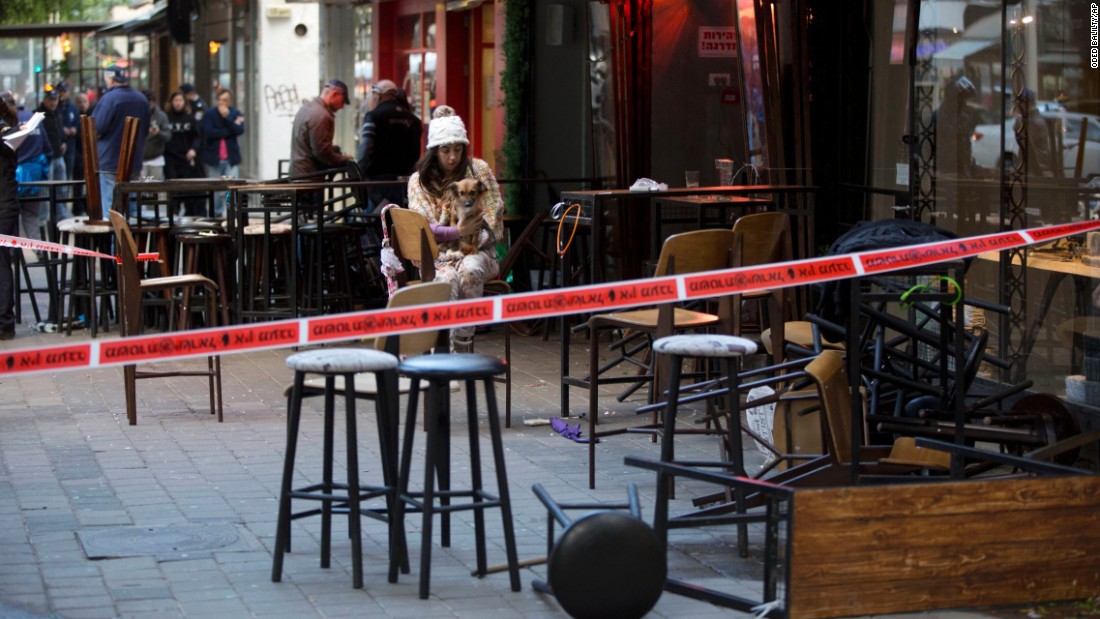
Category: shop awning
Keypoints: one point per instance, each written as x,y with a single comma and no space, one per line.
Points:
28,31
155,20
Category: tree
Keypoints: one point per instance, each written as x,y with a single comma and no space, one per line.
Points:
49,11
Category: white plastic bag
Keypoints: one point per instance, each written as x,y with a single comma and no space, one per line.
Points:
761,419
391,264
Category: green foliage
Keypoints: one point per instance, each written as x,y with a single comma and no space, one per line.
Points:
514,83
47,11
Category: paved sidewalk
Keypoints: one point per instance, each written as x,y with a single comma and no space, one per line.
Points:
71,468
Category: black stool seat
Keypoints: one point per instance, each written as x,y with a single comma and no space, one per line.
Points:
439,370
452,367
329,228
196,227
342,498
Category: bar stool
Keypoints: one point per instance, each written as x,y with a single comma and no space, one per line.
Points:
728,350
439,370
84,282
327,270
206,253
347,497
265,254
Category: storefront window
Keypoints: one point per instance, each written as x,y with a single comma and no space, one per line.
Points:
417,61
986,129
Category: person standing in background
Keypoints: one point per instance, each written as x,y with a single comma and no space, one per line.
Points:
9,220
83,108
70,121
110,115
55,133
389,143
32,164
181,151
160,131
194,101
219,128
311,147
220,154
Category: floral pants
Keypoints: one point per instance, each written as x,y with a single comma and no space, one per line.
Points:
467,277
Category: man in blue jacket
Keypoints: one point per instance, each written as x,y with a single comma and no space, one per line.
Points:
110,115
33,159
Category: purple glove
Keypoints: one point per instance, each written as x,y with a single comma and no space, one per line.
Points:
572,433
444,233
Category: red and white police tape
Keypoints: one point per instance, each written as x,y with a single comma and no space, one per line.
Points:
544,304
57,248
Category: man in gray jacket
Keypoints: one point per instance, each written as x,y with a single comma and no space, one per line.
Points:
311,148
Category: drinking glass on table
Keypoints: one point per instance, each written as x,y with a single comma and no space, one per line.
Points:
691,178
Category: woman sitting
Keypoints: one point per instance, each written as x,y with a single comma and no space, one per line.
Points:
446,162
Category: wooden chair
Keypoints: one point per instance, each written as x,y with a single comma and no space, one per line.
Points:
689,252
903,456
132,289
92,196
412,239
764,238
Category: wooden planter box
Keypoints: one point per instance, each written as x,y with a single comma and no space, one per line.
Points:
842,551
898,548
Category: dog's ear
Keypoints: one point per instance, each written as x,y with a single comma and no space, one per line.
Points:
451,191
481,188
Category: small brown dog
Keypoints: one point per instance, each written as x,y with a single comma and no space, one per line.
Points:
462,197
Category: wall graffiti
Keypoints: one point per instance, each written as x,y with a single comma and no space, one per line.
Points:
282,99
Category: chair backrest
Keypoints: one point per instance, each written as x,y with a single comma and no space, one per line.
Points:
412,239
828,372
420,294
130,129
129,277
696,251
764,238
92,197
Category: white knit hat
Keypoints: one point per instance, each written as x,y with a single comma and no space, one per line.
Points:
446,128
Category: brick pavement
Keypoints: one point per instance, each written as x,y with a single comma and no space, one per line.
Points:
69,465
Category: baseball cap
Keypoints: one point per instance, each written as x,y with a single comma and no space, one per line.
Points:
382,87
187,87
339,86
49,92
62,86
118,74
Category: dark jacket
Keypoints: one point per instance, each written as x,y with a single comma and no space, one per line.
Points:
185,137
389,141
110,115
70,119
52,127
36,144
214,128
9,196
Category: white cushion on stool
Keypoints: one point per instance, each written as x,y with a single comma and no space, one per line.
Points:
338,360
254,229
705,345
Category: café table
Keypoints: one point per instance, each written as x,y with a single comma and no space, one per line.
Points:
593,202
276,203
1056,267
179,187
701,207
